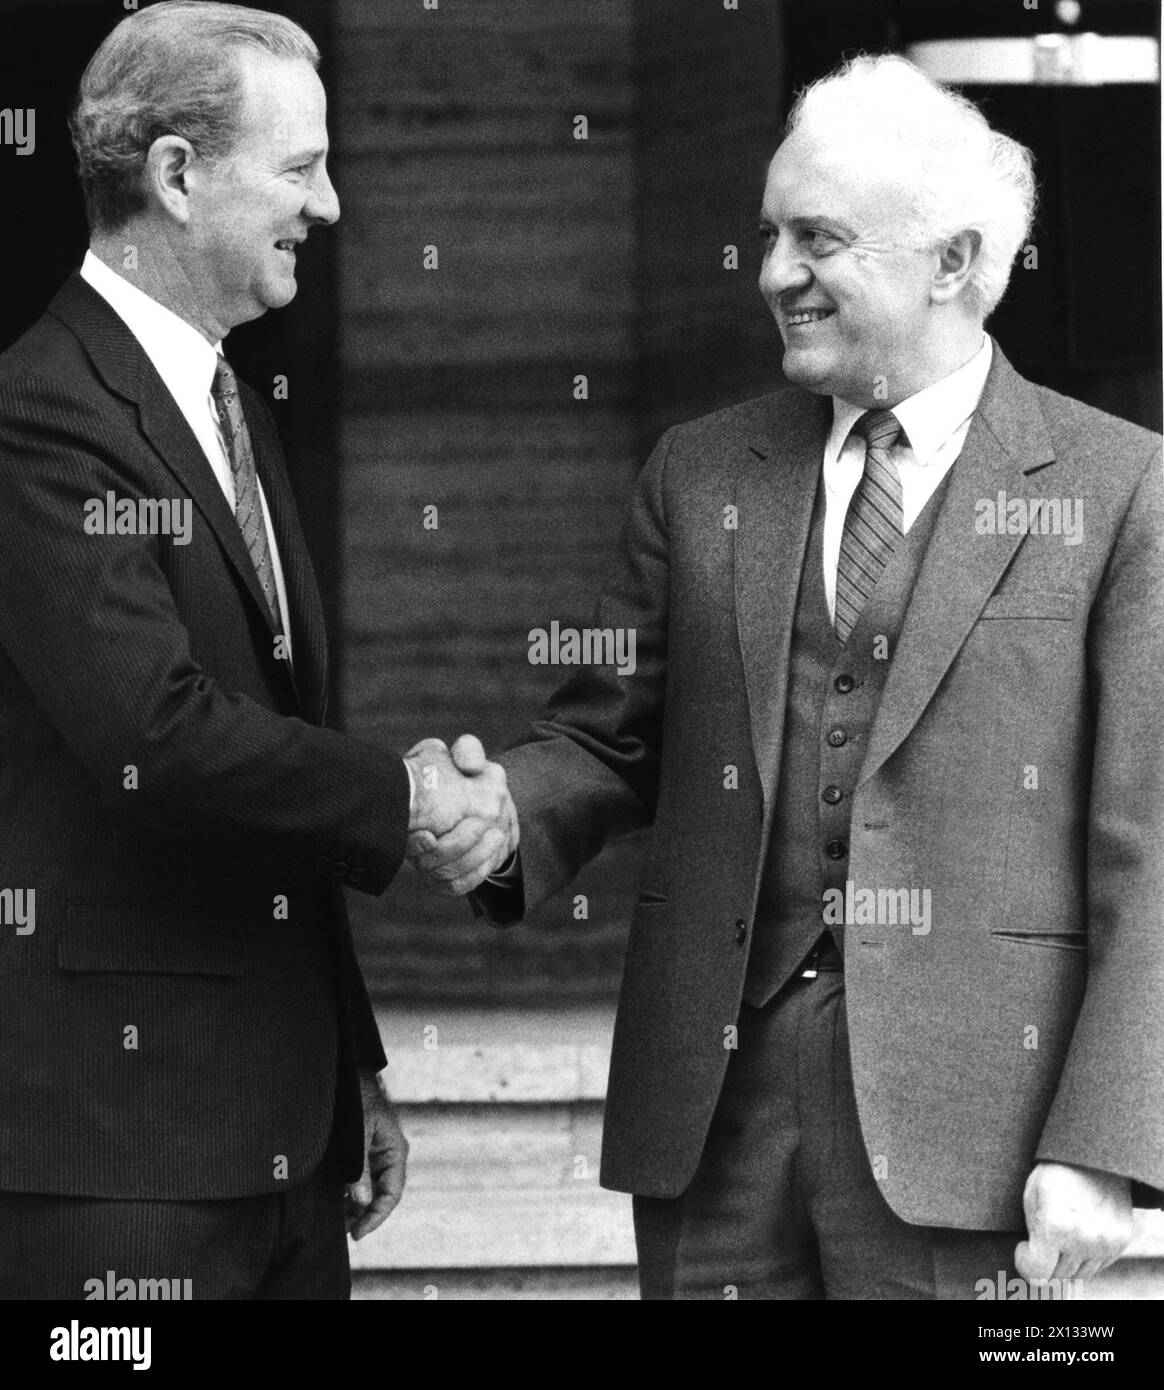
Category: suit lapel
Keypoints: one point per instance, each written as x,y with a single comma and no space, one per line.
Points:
304,609
775,490
961,568
164,425
126,369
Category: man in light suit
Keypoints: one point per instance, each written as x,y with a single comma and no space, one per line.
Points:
892,1015
188,1056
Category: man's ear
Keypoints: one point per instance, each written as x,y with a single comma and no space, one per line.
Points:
167,165
957,259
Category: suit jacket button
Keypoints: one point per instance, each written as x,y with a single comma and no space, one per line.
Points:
844,684
832,795
836,849
339,868
837,738
741,931
356,877
322,863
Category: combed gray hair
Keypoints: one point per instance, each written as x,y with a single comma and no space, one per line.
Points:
966,175
170,69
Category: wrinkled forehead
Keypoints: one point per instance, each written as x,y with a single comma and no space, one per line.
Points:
842,174
283,102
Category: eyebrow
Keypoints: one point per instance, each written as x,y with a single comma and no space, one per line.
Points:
823,222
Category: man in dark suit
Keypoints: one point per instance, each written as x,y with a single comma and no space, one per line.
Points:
188,1084
891,1018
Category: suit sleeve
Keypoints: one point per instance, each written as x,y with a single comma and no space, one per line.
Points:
365,1032
1108,1113
93,630
590,769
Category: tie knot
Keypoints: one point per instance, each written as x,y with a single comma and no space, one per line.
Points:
225,382
880,429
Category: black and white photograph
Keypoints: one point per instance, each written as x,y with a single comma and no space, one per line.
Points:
581,637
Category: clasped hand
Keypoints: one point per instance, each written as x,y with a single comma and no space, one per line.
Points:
463,825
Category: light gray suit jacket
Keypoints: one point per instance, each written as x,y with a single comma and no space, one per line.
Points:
1015,768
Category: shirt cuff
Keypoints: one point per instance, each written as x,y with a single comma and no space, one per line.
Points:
509,870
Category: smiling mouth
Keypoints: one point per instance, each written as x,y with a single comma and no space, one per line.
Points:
803,317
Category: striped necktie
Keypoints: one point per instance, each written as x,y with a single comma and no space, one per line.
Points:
248,507
873,523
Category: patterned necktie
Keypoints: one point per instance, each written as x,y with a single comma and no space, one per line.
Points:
248,508
873,523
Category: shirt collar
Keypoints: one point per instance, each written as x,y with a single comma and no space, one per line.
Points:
184,359
931,416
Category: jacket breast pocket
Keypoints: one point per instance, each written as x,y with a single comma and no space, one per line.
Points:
163,938
1047,604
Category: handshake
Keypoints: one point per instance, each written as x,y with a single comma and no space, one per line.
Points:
463,825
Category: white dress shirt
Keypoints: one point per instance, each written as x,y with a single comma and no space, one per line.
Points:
936,422
185,361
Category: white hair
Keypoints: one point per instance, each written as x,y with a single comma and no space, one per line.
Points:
965,175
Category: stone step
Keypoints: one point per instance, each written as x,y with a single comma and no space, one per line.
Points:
514,1228
464,1148
537,1285
515,1055
1129,1280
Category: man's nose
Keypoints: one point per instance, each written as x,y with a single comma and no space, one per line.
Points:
322,202
782,269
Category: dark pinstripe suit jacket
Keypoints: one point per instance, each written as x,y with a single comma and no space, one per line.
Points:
186,1020
1015,769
